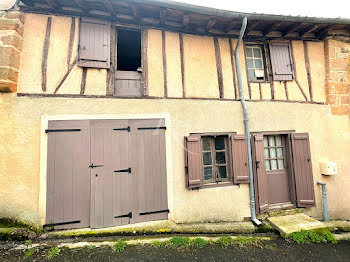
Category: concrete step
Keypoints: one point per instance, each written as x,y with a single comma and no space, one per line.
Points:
282,212
295,223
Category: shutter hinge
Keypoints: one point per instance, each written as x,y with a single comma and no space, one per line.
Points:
123,170
61,130
92,165
149,128
121,129
129,215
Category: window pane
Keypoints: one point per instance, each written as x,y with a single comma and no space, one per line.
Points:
220,158
250,63
258,64
265,141
248,52
273,152
206,143
257,52
222,172
279,152
278,141
266,152
251,74
271,141
273,164
280,164
208,173
207,158
219,143
267,164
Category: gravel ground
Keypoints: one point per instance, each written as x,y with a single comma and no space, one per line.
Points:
275,250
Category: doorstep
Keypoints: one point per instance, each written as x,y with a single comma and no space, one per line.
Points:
157,227
297,222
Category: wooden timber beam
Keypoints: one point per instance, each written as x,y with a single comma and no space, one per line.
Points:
28,2
292,28
53,3
211,23
273,28
162,15
82,5
307,30
252,27
231,25
108,5
185,20
135,10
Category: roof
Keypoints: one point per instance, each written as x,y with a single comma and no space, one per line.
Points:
186,18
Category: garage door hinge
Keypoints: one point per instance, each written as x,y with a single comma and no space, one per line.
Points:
61,130
123,170
121,129
61,223
129,215
154,212
147,128
92,165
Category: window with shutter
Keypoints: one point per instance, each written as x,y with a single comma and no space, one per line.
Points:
281,61
240,159
94,44
256,69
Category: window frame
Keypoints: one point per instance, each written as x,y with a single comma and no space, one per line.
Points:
229,168
265,57
291,58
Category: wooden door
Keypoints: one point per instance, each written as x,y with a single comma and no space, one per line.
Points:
276,170
111,188
68,183
127,83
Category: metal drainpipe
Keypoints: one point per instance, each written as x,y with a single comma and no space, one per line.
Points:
325,201
246,124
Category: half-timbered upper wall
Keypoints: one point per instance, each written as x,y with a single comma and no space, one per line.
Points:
191,67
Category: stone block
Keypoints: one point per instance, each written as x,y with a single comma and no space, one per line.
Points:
13,25
15,15
339,64
9,57
344,99
340,109
7,86
12,40
8,74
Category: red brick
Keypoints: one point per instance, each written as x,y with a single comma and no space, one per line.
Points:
8,74
344,99
9,57
7,87
339,64
16,15
11,25
332,99
12,40
340,110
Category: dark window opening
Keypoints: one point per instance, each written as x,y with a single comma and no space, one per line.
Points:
128,50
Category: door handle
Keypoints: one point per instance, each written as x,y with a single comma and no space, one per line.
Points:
257,164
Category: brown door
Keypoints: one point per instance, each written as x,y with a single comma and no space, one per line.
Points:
111,188
276,170
68,181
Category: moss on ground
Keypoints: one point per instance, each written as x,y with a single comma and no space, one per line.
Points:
305,236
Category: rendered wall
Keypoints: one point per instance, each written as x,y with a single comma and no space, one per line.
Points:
22,157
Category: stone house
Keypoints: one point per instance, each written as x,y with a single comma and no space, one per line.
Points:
123,111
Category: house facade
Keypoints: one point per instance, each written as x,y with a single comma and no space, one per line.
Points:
118,112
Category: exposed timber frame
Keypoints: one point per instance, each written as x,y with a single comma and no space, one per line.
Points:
233,68
144,60
219,66
295,73
45,54
164,64
182,64
307,65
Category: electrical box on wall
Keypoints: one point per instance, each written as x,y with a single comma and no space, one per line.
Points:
329,168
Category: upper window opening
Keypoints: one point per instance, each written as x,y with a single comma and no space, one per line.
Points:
128,50
255,63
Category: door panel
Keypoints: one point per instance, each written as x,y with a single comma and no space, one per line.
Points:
68,185
110,190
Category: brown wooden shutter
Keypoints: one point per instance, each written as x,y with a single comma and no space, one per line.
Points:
260,172
193,161
282,65
94,44
240,159
302,165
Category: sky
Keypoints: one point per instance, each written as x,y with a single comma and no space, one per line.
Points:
313,8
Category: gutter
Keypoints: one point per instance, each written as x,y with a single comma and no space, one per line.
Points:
246,123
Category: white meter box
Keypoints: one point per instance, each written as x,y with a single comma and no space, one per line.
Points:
329,168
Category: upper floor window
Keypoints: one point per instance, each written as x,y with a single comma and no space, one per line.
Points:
255,63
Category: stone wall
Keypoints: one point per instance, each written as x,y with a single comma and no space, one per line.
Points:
11,38
338,76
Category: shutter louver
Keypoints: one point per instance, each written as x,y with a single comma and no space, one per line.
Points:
282,65
240,159
302,165
193,161
260,169
94,44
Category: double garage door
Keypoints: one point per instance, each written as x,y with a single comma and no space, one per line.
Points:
103,173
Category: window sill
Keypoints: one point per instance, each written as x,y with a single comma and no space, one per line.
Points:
220,184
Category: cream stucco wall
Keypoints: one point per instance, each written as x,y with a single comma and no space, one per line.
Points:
22,156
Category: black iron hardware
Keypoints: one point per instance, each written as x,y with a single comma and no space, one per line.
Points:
129,215
61,130
92,165
121,129
61,223
154,212
257,164
148,128
123,170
